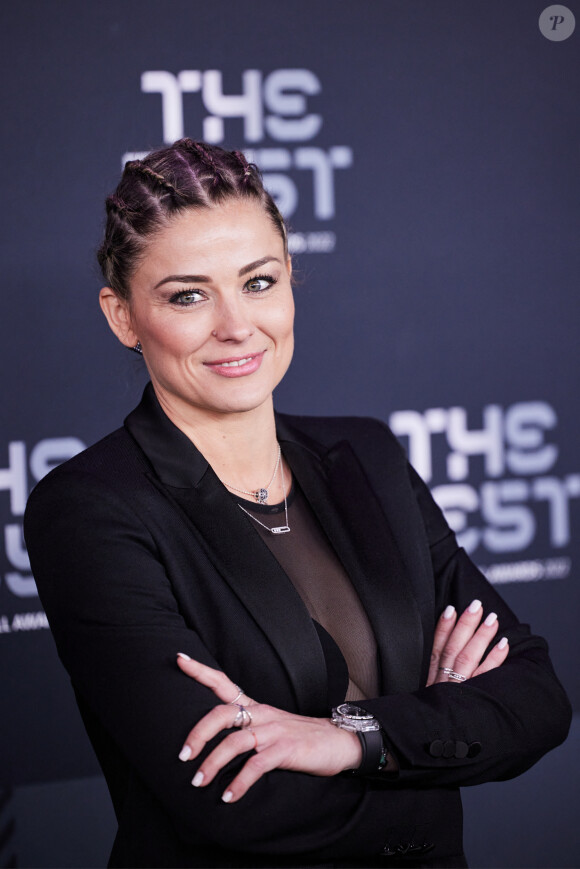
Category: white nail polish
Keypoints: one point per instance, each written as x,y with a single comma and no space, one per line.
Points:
185,753
448,612
502,643
491,619
184,656
197,780
227,797
474,606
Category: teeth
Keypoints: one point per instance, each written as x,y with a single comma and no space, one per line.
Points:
236,363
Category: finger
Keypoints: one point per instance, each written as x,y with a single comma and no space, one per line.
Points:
461,634
443,630
495,658
470,657
228,749
272,750
218,719
215,721
215,680
252,771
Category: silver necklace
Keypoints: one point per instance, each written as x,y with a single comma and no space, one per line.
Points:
277,529
261,495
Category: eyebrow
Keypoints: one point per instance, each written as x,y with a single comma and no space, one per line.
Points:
204,279
257,263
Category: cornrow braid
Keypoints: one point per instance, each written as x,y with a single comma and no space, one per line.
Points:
204,160
156,177
247,167
116,204
207,157
187,174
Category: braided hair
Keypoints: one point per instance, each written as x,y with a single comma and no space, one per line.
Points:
166,182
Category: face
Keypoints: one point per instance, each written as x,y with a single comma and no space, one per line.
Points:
211,303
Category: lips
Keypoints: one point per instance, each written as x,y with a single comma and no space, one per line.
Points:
238,366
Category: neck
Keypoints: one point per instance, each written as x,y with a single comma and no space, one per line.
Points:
240,447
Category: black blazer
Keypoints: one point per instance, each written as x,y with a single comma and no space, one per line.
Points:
140,552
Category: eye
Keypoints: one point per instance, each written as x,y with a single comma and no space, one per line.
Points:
186,298
259,283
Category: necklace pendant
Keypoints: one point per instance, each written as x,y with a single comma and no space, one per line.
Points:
280,529
261,496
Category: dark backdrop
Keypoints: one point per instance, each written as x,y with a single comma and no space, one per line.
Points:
426,154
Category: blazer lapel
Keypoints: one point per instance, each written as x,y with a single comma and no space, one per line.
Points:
353,519
236,550
248,566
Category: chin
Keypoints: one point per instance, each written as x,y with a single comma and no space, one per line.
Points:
240,403
241,406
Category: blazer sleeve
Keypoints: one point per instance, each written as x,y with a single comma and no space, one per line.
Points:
118,626
493,726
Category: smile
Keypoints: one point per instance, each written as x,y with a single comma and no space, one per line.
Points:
239,367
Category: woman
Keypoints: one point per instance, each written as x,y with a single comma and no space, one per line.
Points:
299,558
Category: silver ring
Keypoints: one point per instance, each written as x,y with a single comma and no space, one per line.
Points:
240,693
447,670
243,717
457,676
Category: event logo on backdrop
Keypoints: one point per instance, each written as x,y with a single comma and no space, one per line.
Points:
21,467
300,173
499,485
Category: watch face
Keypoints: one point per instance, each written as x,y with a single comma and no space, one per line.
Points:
352,717
350,710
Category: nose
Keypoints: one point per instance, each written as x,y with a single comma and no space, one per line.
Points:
231,321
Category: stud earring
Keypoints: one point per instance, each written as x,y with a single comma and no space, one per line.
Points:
137,348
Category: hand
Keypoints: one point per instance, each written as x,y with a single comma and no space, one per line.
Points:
459,645
279,739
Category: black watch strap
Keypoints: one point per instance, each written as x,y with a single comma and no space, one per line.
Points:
373,752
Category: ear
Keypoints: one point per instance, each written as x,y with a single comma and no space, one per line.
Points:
118,315
289,266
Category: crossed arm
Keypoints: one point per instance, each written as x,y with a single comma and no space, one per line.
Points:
283,740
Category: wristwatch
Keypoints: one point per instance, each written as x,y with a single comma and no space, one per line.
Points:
348,716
